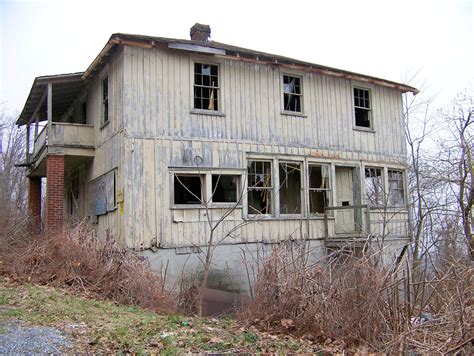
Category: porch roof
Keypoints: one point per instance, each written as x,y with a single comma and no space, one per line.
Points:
66,88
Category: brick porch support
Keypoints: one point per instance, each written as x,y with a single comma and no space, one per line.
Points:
34,199
54,192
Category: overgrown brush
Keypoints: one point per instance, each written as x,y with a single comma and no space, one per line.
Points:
360,303
77,260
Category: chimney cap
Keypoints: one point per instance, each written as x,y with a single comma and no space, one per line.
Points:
200,32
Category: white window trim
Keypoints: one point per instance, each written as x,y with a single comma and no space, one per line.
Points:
371,109
195,111
206,184
282,86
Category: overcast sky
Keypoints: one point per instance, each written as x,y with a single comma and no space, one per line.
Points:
387,39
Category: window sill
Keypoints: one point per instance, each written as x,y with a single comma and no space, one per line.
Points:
207,112
364,129
104,125
202,207
266,217
294,113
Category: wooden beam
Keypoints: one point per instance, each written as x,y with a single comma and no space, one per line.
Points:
38,107
27,142
50,104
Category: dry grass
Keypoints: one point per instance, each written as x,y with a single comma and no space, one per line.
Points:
360,304
78,261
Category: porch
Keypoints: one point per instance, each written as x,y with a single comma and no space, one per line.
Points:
59,139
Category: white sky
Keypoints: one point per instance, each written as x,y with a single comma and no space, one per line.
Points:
387,39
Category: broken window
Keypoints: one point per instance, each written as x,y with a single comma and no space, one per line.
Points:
259,187
105,100
224,188
396,191
188,189
362,107
290,188
292,96
374,186
206,87
319,188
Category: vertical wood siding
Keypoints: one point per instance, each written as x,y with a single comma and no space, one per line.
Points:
160,131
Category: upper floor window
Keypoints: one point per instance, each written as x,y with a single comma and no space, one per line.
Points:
105,100
396,191
206,86
362,107
292,94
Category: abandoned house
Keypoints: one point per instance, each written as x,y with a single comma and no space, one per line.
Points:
161,139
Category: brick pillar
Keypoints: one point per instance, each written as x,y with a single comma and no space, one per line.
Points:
34,199
54,192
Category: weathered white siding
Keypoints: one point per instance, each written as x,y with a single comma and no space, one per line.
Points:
109,137
160,131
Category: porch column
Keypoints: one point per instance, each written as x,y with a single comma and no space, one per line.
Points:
34,199
54,192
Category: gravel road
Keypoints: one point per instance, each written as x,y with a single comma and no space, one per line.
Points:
17,338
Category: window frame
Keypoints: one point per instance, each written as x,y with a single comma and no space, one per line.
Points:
194,110
206,186
402,180
104,101
238,202
271,189
329,190
369,109
302,185
382,198
284,93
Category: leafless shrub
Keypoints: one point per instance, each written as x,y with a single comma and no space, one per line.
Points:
76,260
354,301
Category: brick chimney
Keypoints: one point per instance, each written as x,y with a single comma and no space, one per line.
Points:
200,32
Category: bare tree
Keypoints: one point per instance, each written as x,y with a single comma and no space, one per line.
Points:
12,179
454,164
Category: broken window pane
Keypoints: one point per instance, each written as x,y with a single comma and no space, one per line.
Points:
290,188
362,107
319,188
374,186
224,188
292,93
396,189
259,178
206,86
187,189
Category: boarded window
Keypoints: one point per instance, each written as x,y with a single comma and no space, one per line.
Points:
319,188
259,187
292,95
290,188
206,87
224,188
102,193
105,99
396,191
188,189
374,186
362,107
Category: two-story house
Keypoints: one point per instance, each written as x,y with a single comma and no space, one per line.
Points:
161,139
